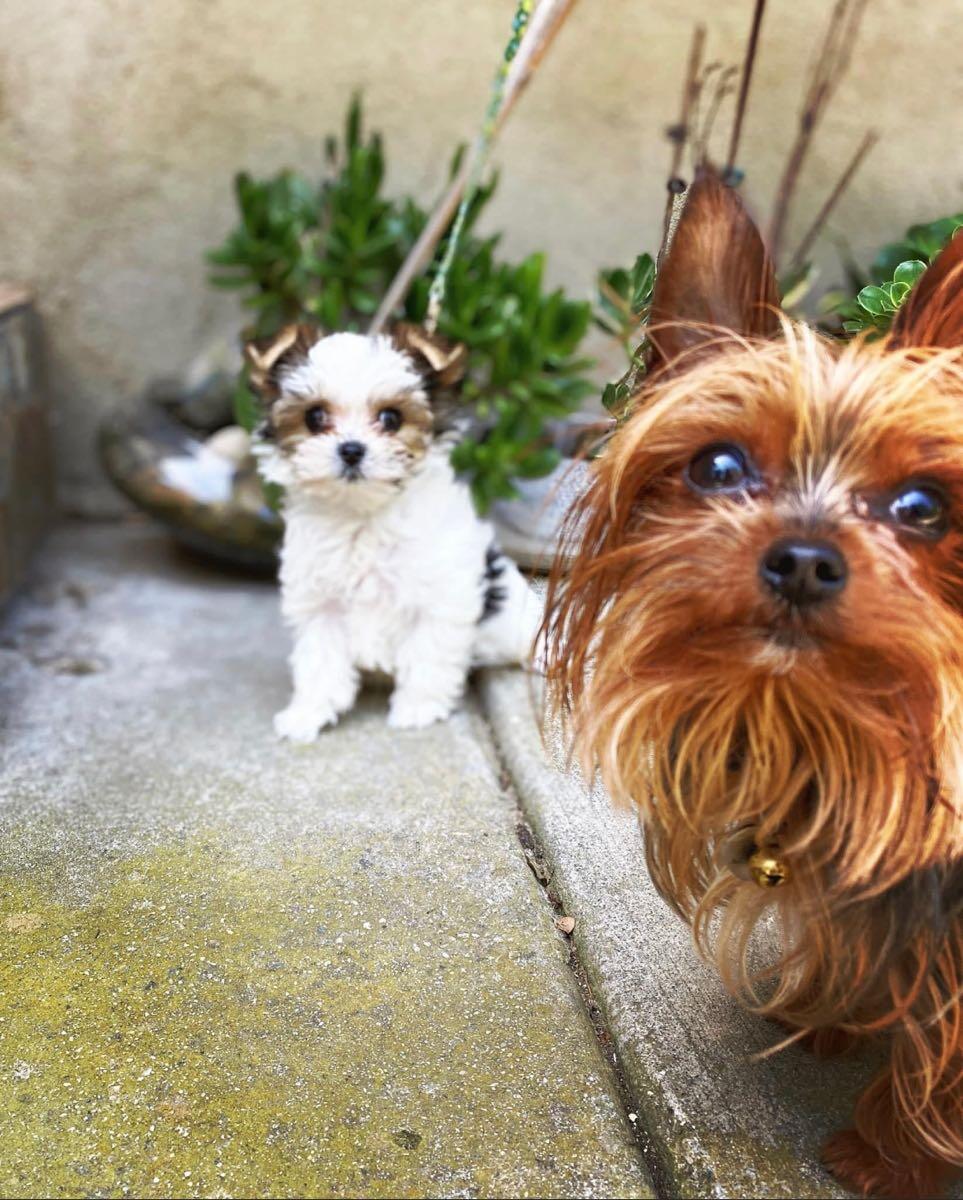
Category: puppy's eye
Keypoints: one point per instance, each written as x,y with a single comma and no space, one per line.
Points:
316,418
719,468
390,420
921,508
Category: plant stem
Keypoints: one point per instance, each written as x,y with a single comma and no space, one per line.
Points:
679,133
869,141
722,89
832,61
748,64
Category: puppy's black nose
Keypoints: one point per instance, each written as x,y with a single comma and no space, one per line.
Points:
803,571
351,453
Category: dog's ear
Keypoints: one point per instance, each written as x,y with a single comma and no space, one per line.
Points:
932,314
441,362
716,277
265,356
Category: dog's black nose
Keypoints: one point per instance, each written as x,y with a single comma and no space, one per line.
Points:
803,571
351,453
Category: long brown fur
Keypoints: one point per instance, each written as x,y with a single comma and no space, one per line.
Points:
836,733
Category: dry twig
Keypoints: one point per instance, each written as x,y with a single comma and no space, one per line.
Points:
748,64
832,61
845,179
679,133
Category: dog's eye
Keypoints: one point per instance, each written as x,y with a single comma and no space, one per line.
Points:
718,468
920,508
316,418
390,420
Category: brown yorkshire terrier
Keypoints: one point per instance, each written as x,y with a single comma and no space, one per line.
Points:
760,645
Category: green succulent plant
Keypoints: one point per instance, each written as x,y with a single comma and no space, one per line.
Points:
323,252
921,242
875,305
895,270
328,251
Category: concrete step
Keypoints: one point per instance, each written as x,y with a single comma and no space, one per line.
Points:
721,1122
234,967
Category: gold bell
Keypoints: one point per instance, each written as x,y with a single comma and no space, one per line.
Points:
767,869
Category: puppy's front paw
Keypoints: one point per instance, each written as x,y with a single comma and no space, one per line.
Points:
296,723
415,712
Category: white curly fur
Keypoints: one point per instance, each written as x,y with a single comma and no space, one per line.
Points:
385,571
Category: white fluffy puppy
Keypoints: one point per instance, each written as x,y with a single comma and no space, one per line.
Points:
385,564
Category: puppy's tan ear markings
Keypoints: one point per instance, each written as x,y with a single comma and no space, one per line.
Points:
717,275
263,355
932,314
441,361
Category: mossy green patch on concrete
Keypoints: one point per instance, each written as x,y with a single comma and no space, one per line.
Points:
234,967
207,1027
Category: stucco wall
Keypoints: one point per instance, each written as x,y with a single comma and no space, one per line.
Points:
121,124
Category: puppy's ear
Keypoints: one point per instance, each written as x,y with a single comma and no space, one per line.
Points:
932,314
265,356
716,277
441,362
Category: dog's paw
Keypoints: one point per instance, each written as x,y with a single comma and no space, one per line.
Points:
862,1169
296,723
416,712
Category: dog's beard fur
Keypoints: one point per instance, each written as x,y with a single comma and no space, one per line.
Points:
835,732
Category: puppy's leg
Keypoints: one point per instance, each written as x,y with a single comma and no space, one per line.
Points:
325,680
506,633
430,673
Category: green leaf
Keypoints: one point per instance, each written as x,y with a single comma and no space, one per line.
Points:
909,272
875,300
897,293
541,462
352,125
643,281
247,411
273,494
481,493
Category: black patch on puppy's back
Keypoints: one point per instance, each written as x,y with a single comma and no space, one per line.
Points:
495,593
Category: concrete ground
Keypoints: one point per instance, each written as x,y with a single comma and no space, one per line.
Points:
234,967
